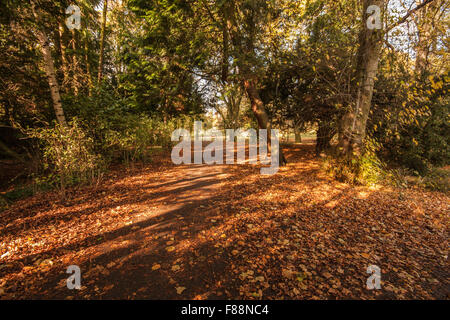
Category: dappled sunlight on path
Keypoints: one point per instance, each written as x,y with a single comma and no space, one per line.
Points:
198,231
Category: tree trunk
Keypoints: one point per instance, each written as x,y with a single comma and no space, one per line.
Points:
354,122
225,52
75,66
102,42
246,48
50,71
425,27
298,135
260,114
324,134
88,66
62,49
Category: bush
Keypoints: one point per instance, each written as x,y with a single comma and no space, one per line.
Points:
120,130
437,179
68,155
413,125
367,169
134,141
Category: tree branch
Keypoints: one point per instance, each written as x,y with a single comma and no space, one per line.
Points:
408,14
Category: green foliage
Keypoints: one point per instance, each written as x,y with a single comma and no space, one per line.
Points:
365,170
437,179
166,62
159,57
3,203
120,132
412,124
68,154
17,193
135,142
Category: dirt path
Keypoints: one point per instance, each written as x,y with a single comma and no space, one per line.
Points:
206,232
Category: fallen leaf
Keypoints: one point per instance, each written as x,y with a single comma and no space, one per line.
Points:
180,289
156,266
175,267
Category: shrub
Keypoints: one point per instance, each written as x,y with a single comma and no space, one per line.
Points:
367,169
68,155
135,140
437,179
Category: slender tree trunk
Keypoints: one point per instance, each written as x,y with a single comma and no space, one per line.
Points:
62,49
354,122
235,111
50,70
75,65
297,134
51,76
324,134
422,51
225,51
88,67
425,28
102,42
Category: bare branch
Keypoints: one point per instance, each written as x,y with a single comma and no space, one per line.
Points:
408,14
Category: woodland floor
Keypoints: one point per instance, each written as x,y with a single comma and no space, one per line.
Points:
227,232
